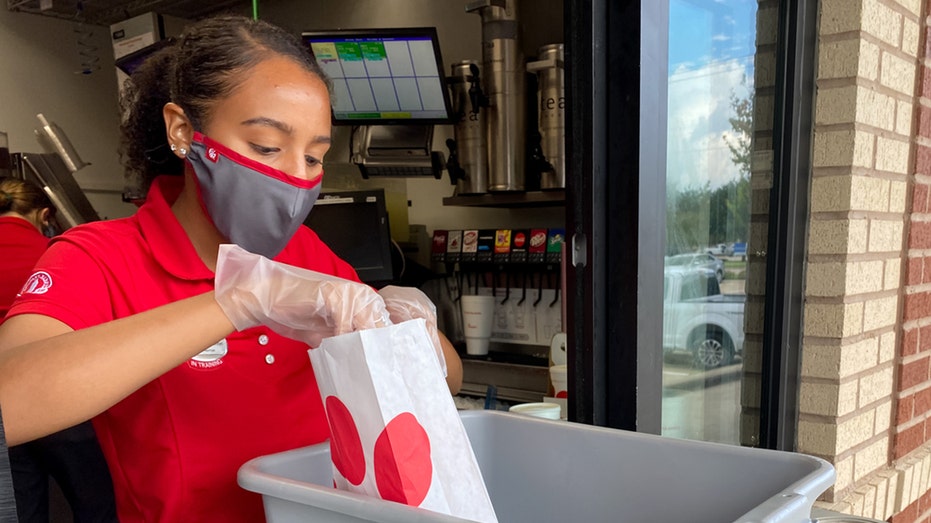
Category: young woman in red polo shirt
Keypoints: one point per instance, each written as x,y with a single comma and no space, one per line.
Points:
239,113
72,456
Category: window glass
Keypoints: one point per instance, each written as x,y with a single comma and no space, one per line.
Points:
711,141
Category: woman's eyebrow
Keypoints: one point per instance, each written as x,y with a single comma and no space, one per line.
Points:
269,122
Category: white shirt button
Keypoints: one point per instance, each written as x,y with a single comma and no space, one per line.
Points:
263,339
269,358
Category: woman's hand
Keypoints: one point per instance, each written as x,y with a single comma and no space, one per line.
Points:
408,303
297,303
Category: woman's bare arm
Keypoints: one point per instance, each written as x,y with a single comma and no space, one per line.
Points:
52,377
453,365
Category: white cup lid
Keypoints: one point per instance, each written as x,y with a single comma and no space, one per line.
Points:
539,410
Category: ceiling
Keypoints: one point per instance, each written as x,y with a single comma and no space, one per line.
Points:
106,12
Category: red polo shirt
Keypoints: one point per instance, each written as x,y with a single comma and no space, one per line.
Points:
175,445
21,244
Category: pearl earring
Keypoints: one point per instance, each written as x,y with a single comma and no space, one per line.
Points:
183,151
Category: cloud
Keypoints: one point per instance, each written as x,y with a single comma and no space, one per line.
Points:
698,112
720,38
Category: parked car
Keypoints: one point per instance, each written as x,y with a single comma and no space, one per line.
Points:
700,320
698,261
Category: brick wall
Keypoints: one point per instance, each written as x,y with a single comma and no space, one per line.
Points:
912,450
862,156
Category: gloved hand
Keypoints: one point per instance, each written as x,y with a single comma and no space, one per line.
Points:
408,303
297,303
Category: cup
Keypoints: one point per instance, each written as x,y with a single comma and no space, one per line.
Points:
478,312
560,380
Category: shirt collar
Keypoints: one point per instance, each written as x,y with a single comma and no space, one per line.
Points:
170,245
19,221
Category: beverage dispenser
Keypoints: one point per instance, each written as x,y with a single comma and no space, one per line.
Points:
468,154
503,72
550,70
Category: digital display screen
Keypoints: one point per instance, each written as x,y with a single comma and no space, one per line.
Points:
383,76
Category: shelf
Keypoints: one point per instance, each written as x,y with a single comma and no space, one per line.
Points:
552,198
106,12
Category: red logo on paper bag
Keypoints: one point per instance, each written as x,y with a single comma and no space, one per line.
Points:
345,443
39,283
403,470
403,467
212,154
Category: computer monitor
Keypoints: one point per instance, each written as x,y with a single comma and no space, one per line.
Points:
354,224
383,76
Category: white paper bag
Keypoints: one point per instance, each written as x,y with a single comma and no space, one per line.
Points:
395,432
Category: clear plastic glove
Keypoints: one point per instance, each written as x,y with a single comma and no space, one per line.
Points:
297,303
408,303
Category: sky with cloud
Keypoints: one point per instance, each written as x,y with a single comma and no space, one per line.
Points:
711,48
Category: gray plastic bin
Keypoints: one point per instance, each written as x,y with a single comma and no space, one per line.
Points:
539,470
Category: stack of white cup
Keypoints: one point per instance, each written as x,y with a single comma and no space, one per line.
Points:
478,312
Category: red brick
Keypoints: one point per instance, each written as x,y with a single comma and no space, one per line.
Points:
926,271
908,515
920,191
910,342
917,305
914,373
924,338
909,440
928,41
922,402
923,160
924,502
926,82
904,410
913,271
919,235
924,121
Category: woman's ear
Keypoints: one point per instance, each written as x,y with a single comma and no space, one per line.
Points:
180,130
44,216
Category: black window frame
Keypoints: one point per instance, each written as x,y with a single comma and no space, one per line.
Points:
616,87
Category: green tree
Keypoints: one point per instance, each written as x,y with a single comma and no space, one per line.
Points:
697,217
740,144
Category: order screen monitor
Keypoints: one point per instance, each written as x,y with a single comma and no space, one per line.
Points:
354,224
383,76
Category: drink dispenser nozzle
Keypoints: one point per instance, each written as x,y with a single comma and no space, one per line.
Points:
456,172
476,95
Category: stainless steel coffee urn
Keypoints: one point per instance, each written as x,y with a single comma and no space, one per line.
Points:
468,153
551,98
503,71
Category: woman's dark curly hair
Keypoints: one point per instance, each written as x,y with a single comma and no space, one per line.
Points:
201,68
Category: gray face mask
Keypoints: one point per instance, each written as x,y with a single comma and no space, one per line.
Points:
255,206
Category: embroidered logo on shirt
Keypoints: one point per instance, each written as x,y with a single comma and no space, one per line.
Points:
212,154
39,283
211,358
